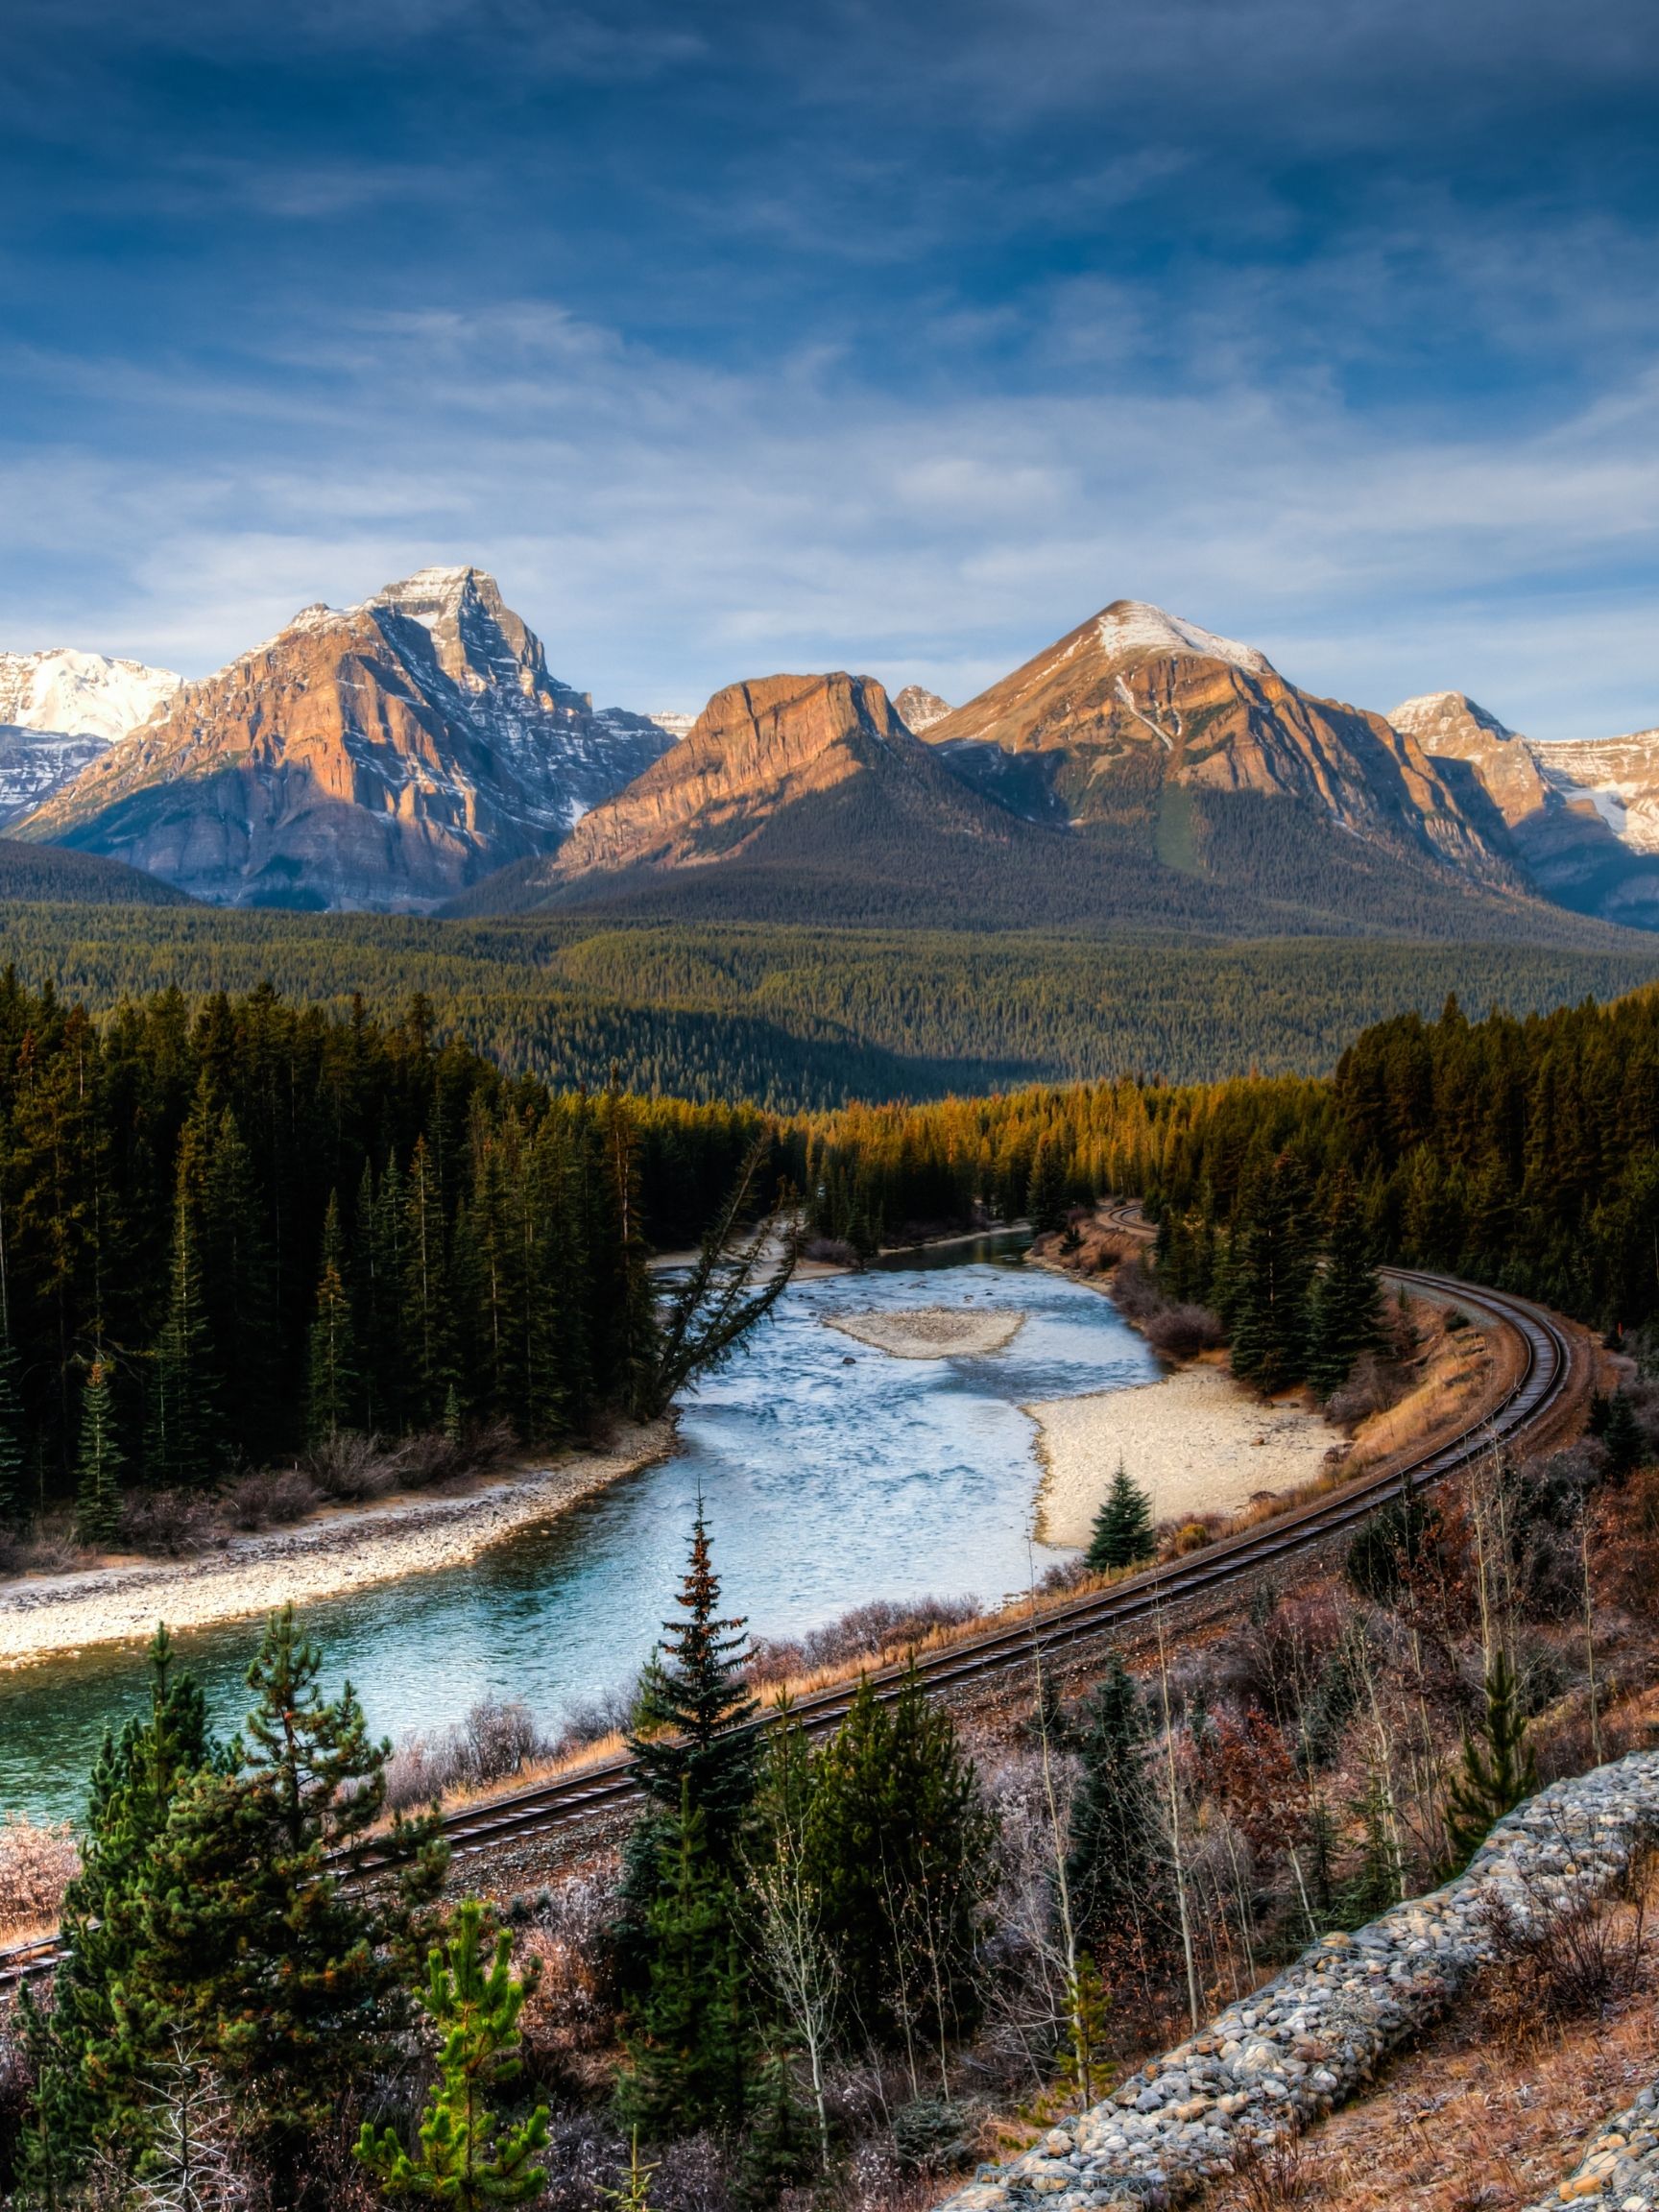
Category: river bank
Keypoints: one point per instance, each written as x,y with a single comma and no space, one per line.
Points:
341,1551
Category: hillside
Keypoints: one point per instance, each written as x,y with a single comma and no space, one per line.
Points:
381,756
36,873
811,1017
1140,772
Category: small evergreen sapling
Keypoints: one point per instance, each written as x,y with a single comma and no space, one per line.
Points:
1123,1533
468,2158
1498,1766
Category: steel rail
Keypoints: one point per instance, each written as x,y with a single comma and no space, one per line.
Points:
1547,1368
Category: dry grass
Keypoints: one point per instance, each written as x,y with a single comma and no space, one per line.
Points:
1488,2112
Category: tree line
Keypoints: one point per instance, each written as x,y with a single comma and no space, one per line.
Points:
222,1230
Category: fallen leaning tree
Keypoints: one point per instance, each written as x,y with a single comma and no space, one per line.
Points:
1305,2042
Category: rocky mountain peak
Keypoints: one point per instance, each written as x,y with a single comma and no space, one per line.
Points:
1132,630
918,708
81,694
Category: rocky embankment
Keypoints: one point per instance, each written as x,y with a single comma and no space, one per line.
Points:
1305,2042
1620,2166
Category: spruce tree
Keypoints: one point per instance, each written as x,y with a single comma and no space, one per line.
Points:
897,1842
1619,1435
14,1509
97,1485
468,2157
1123,1533
1049,1189
1345,1306
333,1368
696,1746
82,2085
695,1740
184,1442
1270,1273
1116,1872
1497,1770
687,2040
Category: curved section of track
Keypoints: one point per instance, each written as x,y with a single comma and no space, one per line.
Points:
1546,1374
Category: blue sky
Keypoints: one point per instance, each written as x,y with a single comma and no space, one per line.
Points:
738,337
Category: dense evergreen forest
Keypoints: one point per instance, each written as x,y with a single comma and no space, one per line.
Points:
221,1229
797,1019
1524,1153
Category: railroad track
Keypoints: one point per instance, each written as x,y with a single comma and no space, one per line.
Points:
1547,1373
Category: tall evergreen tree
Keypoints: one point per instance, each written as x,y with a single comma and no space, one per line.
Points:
1049,1189
183,1439
1345,1306
82,2090
466,2159
897,1840
428,1317
1115,1870
1269,1272
1498,1768
1122,1535
688,2042
14,1488
332,1380
98,1478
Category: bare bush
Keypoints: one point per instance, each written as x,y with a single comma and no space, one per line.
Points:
883,1625
37,1866
591,1720
351,1466
1573,1961
1136,1294
494,1742
831,1252
174,1522
1372,1387
1269,2180
274,1498
569,2016
1183,1332
586,2160
697,2173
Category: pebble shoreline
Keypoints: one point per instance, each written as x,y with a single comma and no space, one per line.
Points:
1306,2041
43,1617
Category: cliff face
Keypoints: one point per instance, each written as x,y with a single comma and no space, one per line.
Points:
381,756
1582,819
1135,702
918,708
59,710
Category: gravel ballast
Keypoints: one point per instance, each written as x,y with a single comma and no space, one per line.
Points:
1308,2040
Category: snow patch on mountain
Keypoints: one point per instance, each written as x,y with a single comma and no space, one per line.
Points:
1131,627
1619,777
81,694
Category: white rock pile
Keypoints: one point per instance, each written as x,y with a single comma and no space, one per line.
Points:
1619,2168
1306,2041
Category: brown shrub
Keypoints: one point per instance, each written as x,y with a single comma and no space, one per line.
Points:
1183,1332
37,1866
274,1498
171,1522
1371,1387
569,2018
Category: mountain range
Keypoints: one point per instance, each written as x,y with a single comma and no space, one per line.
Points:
414,753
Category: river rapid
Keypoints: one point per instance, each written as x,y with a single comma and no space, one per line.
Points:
830,1472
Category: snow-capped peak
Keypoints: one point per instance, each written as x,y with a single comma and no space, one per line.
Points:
1433,711
1131,626
81,694
431,594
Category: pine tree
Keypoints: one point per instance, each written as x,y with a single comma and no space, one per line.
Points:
1620,1438
82,2084
184,1442
695,1740
283,1972
695,1746
467,2158
778,2150
1049,1189
1498,1766
1269,1272
1346,1301
426,1312
332,1377
1376,1883
1115,1870
12,1489
97,1487
1123,1533
688,2055
897,1842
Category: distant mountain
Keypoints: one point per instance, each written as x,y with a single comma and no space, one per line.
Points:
381,756
918,708
1582,819
59,710
678,726
1140,772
